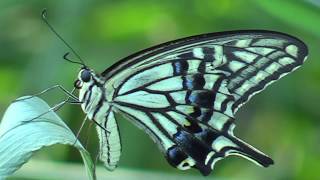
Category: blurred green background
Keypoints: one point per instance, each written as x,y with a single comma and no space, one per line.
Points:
283,120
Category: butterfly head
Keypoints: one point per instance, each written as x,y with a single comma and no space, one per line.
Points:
90,86
85,76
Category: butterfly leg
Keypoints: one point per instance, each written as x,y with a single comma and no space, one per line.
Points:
55,107
65,91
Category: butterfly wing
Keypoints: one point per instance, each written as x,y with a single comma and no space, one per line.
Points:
260,62
184,93
110,142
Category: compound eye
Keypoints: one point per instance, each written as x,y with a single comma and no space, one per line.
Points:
85,75
78,84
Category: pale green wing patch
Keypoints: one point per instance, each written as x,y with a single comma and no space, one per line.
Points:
19,139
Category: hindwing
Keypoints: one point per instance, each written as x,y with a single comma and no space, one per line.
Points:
109,141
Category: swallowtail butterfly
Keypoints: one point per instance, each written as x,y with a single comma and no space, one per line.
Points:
185,93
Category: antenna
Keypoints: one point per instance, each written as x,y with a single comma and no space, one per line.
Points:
65,57
44,18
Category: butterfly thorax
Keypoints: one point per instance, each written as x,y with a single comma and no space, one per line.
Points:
92,95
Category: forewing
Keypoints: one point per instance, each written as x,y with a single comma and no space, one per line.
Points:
185,93
256,63
250,60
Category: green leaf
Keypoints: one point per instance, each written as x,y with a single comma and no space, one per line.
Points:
297,13
20,137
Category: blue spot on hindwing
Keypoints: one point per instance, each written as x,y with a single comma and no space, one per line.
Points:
175,156
192,98
207,136
194,82
189,83
195,148
202,98
180,67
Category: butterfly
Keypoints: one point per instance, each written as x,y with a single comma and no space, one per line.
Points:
184,94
